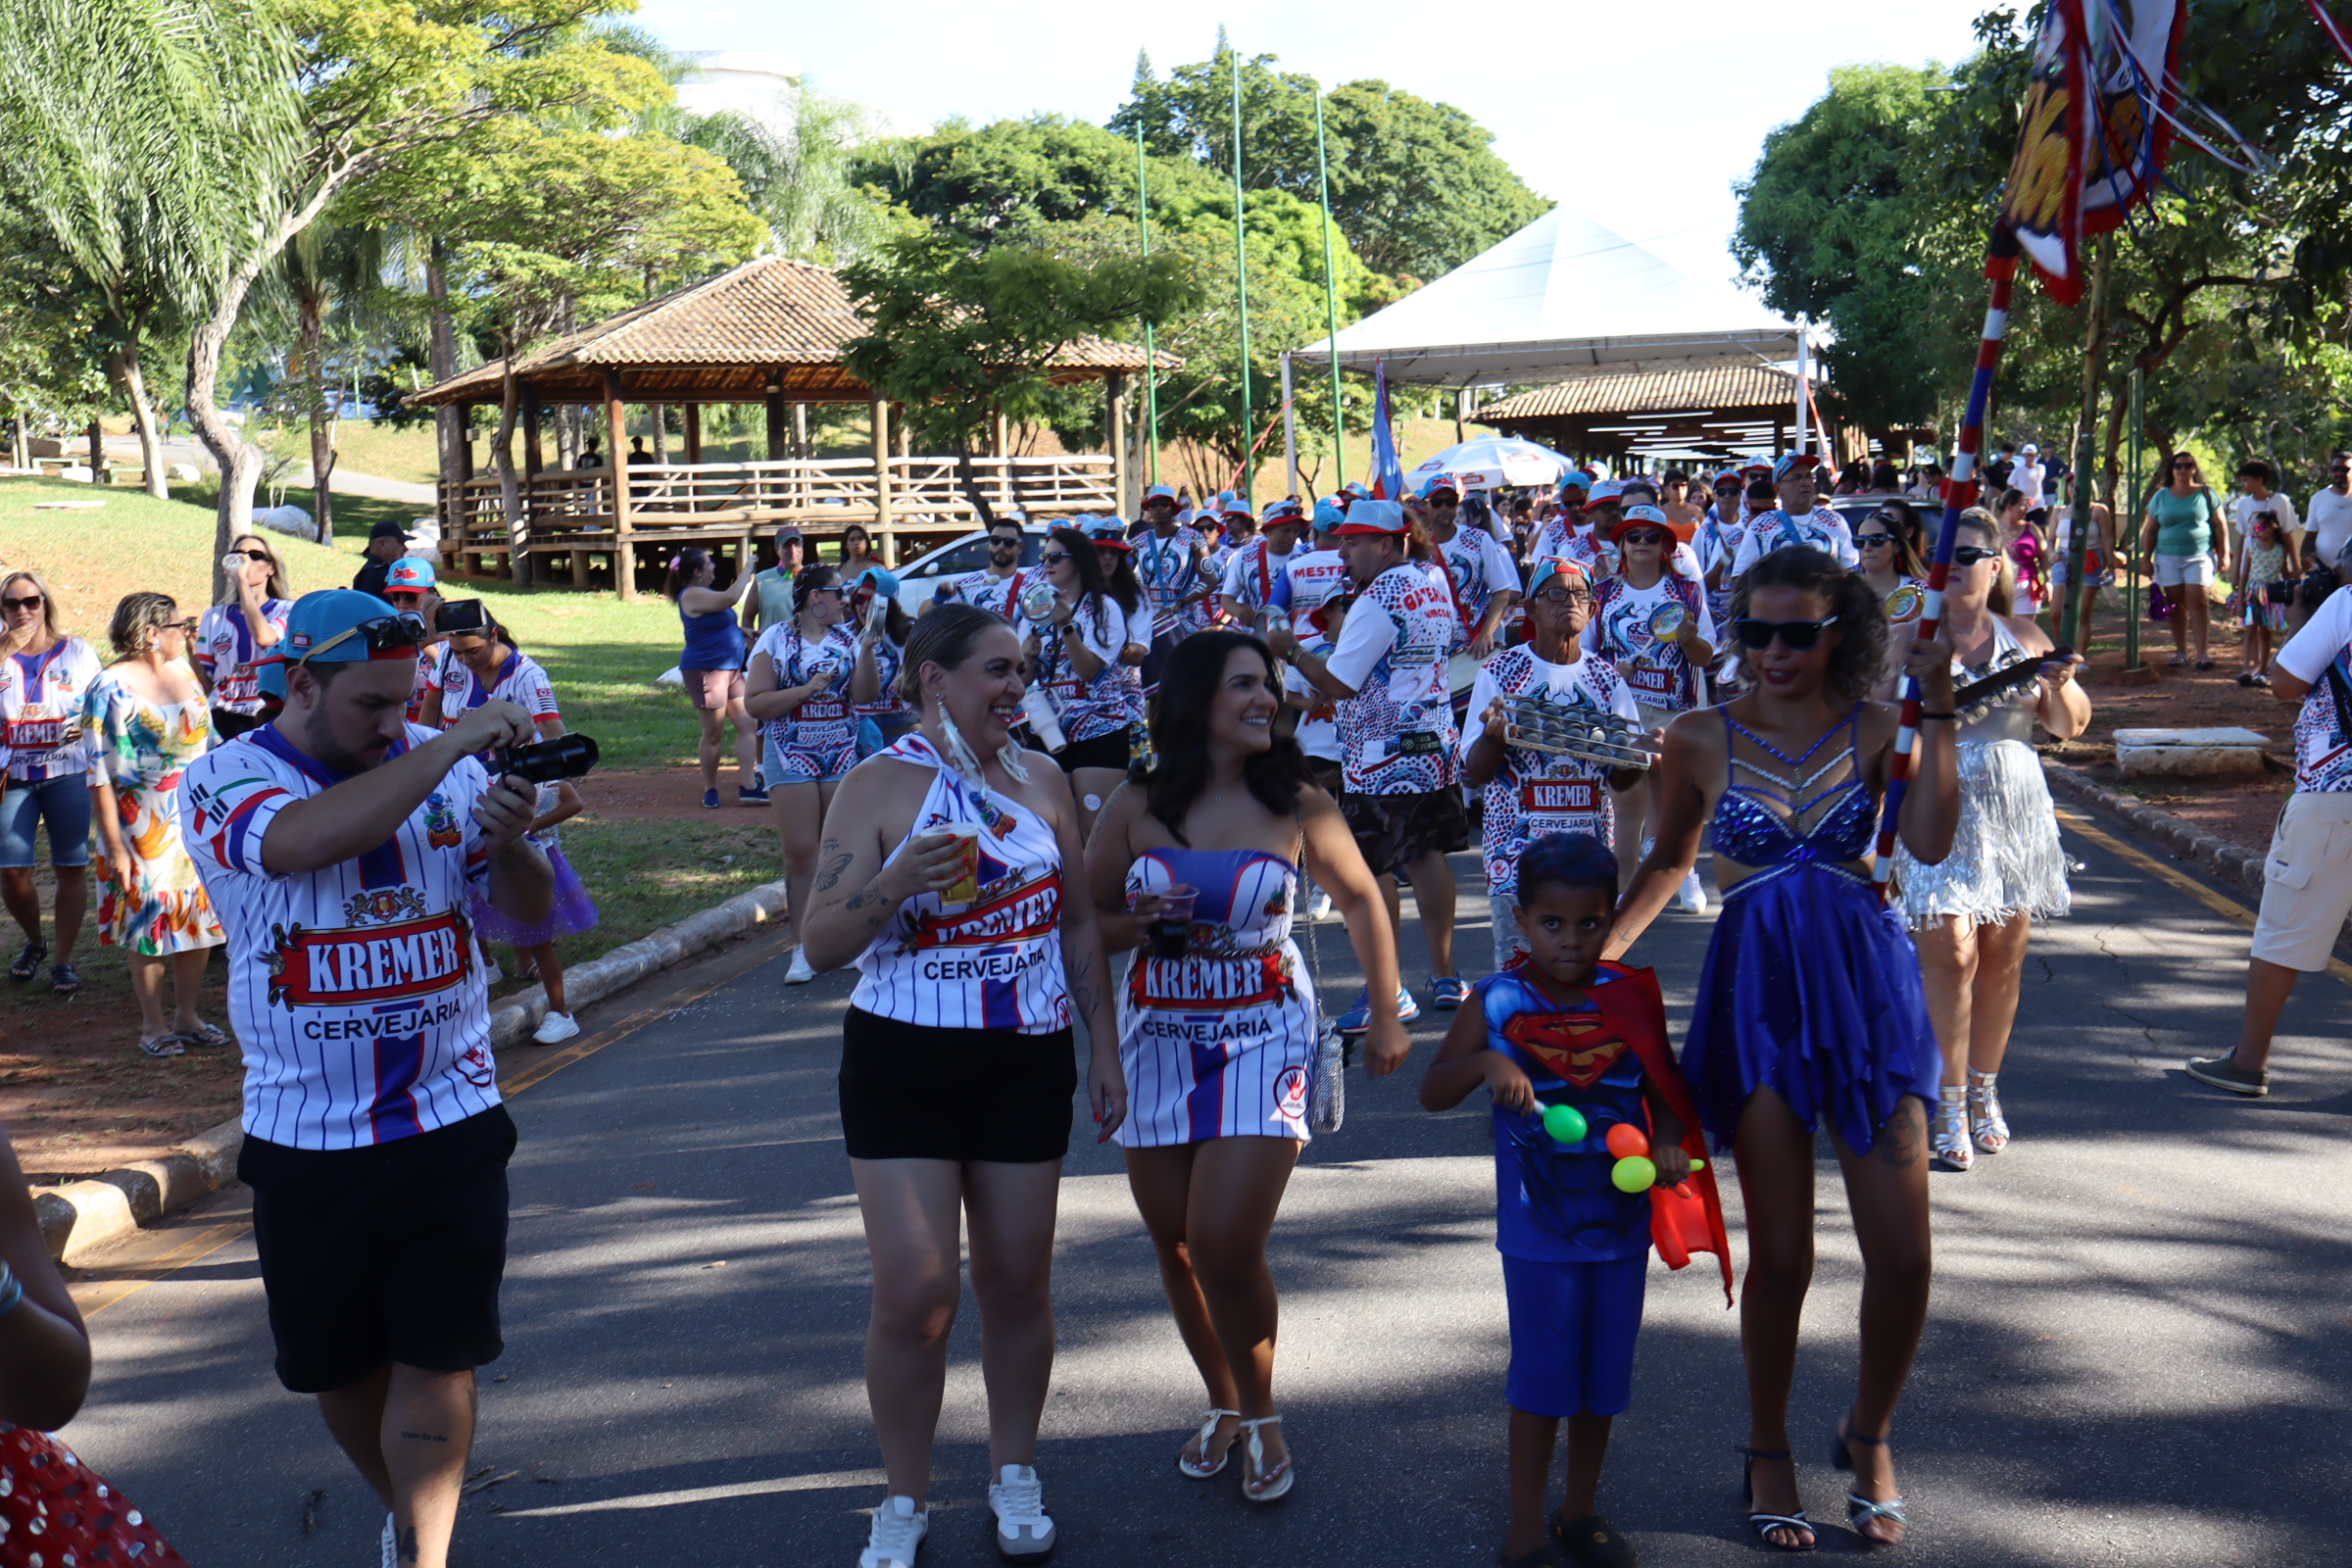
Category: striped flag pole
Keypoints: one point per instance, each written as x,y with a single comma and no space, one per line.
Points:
1959,494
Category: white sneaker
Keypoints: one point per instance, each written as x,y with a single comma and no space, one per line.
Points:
897,1534
800,974
492,974
1694,897
391,1544
1320,910
1018,1500
556,1028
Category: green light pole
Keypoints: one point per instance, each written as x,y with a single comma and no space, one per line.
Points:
1331,309
1143,224
1240,279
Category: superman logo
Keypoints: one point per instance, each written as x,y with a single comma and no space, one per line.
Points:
1578,1048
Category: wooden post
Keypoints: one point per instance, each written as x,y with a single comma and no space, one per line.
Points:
883,531
519,561
1114,431
1000,442
800,431
775,421
693,432
617,426
97,456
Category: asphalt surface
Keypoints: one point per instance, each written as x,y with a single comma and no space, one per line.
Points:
2137,1352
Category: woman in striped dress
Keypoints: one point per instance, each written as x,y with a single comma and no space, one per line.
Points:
1217,1046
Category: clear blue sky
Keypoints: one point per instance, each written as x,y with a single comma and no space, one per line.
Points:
1645,111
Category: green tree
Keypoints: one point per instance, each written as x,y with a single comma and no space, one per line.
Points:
1004,178
1416,186
960,335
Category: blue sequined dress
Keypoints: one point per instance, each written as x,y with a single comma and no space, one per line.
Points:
1811,987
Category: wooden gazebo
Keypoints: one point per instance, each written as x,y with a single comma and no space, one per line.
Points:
1732,411
770,331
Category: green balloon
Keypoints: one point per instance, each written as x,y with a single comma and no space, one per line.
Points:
1636,1173
1566,1123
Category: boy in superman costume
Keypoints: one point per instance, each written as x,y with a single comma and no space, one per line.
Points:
1563,1027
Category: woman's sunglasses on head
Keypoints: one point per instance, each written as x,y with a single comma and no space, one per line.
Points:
1794,635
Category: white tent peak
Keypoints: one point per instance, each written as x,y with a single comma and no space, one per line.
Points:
1560,297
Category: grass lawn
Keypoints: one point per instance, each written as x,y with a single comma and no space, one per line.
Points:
363,446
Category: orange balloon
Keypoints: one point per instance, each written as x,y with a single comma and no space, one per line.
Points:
1627,1141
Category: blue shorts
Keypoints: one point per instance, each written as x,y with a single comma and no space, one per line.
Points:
792,763
63,803
1573,1327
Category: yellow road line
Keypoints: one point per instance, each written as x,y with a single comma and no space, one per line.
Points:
96,1296
2226,907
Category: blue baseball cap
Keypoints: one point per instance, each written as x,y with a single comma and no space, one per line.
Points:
1550,566
1329,515
883,582
1440,481
324,626
1794,462
410,575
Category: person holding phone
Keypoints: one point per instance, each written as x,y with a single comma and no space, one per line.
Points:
375,1143
235,633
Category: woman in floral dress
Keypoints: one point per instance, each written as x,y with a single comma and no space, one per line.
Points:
146,721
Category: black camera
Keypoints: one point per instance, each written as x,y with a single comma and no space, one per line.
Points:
545,761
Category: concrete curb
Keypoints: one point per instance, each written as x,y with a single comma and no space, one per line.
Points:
2231,863
81,1219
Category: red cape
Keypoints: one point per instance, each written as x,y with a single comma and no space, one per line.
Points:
1688,1218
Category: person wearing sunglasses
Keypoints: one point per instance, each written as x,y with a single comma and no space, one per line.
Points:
798,691
1796,518
2182,533
345,850
1894,573
882,626
411,586
1809,1008
1252,573
1717,542
45,677
1654,626
1077,652
1972,911
146,721
238,631
1480,579
1529,794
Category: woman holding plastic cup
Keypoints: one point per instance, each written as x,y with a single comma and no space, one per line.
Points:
800,690
1200,862
882,716
1076,647
956,1064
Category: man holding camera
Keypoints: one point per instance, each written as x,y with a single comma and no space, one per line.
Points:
342,848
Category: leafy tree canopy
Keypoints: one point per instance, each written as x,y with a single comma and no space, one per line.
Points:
1004,179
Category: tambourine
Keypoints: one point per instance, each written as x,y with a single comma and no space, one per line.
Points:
1589,734
1907,602
1038,600
1666,622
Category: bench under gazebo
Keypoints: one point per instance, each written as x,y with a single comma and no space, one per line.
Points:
771,332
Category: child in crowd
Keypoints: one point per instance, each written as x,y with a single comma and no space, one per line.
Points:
573,913
1563,1029
2263,593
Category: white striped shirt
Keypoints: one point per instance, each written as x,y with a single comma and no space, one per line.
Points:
355,990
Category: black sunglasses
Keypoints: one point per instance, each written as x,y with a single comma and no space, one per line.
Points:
383,634
1052,556
1864,541
1796,635
999,542
258,555
35,603
1969,555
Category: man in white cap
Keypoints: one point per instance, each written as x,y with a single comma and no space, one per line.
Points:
1387,673
2030,475
1480,577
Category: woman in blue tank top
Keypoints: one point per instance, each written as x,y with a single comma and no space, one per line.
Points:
1810,1007
712,664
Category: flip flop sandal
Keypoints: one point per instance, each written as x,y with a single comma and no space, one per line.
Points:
63,980
29,961
205,1033
1253,1462
1206,1435
164,1045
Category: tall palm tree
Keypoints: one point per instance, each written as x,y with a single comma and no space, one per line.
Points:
330,267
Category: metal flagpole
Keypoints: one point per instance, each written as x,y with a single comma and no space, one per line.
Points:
1143,224
2083,491
1241,280
1331,310
1290,425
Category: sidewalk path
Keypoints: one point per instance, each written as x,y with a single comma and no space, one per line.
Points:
2137,1353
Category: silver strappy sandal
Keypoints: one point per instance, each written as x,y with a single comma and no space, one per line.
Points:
1255,1464
1202,1439
1991,1127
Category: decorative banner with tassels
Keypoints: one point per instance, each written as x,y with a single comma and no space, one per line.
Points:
1388,471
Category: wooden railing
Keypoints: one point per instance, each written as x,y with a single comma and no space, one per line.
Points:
912,504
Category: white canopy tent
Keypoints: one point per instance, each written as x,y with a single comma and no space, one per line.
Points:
1561,297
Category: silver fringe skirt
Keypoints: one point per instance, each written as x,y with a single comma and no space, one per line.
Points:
2006,859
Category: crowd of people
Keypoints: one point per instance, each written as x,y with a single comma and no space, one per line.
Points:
1164,746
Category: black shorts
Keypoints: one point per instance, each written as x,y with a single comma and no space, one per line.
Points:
391,1252
1393,831
911,1092
1103,750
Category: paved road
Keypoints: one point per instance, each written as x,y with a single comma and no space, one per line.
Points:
348,482
2138,1351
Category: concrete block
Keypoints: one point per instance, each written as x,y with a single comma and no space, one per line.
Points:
215,1151
102,1216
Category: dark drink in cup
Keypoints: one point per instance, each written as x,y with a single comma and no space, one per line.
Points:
1172,927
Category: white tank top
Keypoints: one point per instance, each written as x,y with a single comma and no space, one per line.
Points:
995,963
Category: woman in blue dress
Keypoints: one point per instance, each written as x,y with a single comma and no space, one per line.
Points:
1809,1008
1218,1045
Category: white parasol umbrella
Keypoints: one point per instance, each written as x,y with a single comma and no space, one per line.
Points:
1494,460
